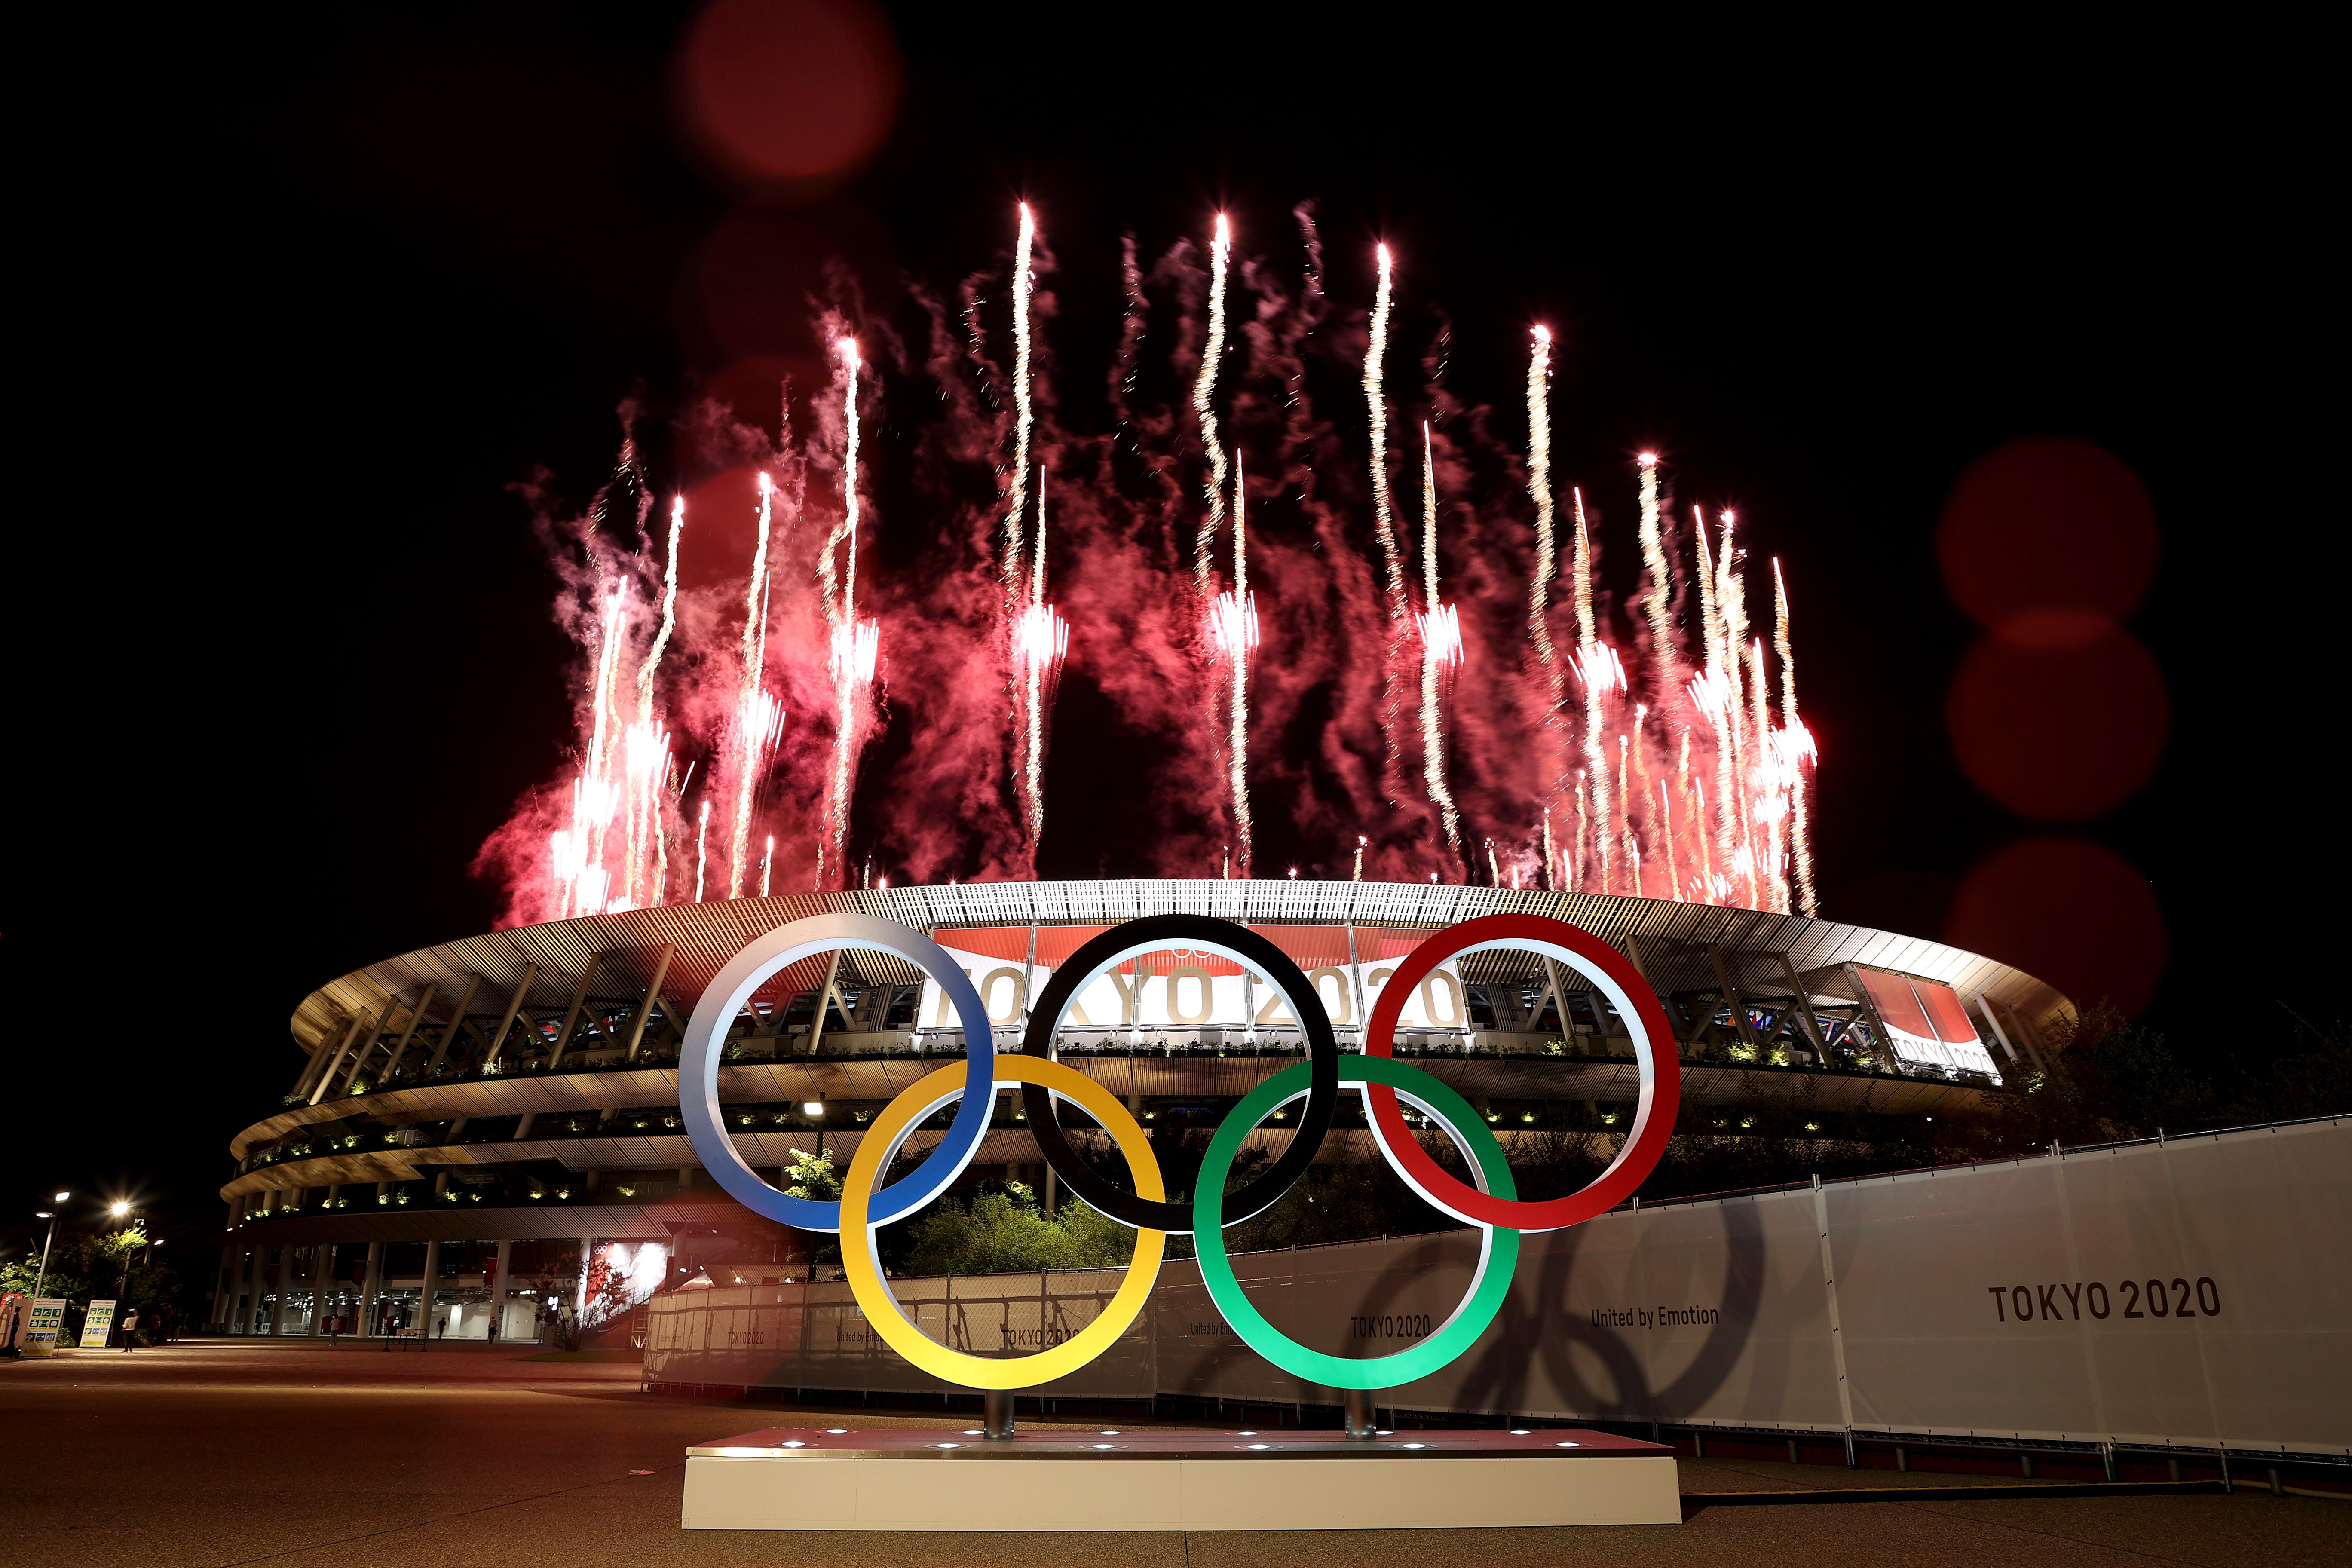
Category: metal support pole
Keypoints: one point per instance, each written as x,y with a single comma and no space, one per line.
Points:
1732,998
996,1413
457,1023
645,1009
570,1022
327,1071
514,1007
1360,1410
824,1002
1802,1000
416,1018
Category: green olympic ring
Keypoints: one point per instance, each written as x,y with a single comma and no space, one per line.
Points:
1498,1251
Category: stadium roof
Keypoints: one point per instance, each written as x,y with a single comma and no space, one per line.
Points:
1677,945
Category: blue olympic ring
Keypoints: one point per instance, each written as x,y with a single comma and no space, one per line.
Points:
723,998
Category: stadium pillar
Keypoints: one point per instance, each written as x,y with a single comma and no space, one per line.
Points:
249,1316
285,1289
360,1037
427,1288
225,1289
498,1290
322,1262
374,1267
1984,1005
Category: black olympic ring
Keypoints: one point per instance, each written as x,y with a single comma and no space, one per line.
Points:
1149,934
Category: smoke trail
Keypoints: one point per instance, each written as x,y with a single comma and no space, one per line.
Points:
755,643
767,863
1432,735
1214,488
1799,843
1594,664
1539,487
1547,852
1658,583
1718,708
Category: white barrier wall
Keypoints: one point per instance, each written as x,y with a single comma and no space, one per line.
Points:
2197,1292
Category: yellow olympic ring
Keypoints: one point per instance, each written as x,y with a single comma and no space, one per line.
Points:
864,1267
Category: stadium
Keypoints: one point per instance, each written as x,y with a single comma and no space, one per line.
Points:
471,1127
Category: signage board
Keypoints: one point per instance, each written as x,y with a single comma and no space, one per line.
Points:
42,1325
98,1325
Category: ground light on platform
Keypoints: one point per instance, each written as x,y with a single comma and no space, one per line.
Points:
1175,1480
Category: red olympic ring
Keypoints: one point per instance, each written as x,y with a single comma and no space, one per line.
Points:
1653,1120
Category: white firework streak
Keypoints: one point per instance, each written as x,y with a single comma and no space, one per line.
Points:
1539,487
847,674
1240,740
1016,511
1214,488
1034,738
755,644
1799,845
1654,596
1432,733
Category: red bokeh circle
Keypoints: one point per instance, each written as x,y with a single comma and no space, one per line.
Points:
789,93
2047,524
2059,729
2067,912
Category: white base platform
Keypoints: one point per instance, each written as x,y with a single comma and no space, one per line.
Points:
835,1480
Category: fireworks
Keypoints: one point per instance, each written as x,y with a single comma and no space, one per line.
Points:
1688,761
1237,633
755,653
1023,413
1376,409
857,645
1657,581
1539,490
1440,643
1212,516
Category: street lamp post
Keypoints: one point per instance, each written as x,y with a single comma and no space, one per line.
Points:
42,1277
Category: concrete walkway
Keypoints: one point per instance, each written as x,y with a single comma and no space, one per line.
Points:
216,1453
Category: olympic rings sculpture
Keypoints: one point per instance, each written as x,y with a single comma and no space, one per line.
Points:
1491,1206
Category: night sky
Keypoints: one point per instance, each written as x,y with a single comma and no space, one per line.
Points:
334,284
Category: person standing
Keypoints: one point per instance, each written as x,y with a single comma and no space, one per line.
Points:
129,1330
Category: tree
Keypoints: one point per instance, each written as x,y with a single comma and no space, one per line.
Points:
1004,1232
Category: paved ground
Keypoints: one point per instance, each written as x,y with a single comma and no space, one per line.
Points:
212,1454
